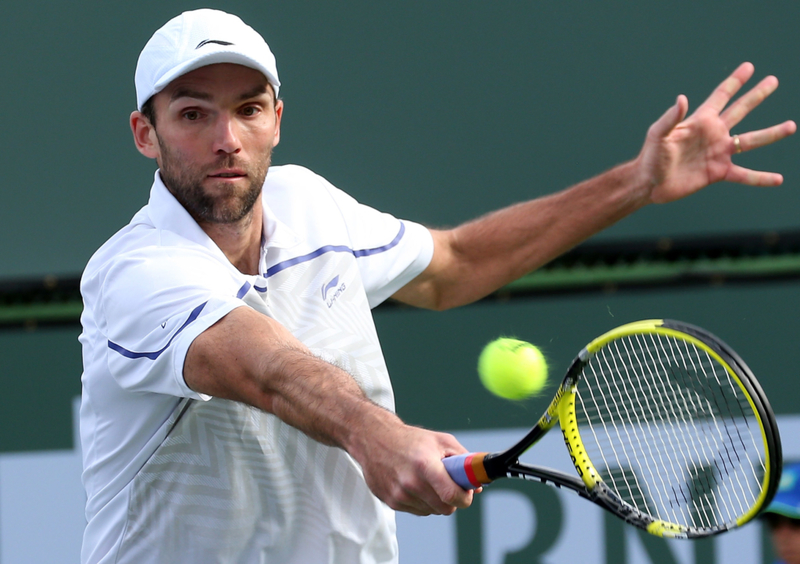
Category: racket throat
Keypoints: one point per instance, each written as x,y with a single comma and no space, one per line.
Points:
496,466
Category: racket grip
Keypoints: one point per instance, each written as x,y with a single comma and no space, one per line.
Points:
467,469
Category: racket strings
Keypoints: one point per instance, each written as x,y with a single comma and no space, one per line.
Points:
730,452
639,495
670,430
701,488
700,493
609,402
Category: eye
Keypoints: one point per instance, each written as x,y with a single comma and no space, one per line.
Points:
250,111
191,115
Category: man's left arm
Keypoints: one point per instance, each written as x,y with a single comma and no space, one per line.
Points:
680,156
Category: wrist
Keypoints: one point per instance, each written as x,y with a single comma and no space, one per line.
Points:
640,182
369,423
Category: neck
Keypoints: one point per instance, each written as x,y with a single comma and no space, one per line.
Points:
240,241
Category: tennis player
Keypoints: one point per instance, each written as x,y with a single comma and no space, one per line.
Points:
236,406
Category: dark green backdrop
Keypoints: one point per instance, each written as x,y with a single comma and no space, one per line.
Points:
435,111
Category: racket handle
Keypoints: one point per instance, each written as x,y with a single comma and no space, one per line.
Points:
467,469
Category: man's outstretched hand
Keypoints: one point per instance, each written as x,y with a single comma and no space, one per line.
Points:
682,155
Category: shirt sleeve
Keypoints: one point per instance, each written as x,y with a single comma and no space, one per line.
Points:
155,304
390,252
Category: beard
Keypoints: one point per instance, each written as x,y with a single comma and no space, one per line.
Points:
185,182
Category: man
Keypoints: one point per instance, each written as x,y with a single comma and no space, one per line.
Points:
782,516
236,406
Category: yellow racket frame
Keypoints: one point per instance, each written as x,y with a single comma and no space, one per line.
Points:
565,408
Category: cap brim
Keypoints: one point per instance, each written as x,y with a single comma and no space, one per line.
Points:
784,509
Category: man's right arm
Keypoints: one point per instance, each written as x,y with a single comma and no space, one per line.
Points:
680,156
251,358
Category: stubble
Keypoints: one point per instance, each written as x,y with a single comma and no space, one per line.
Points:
226,206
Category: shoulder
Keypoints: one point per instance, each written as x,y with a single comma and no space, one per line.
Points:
293,182
306,201
293,176
142,242
140,259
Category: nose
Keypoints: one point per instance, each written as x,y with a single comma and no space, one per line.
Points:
226,136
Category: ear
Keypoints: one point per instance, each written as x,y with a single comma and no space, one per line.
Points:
144,135
278,114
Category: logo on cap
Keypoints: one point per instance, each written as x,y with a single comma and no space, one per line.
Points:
218,41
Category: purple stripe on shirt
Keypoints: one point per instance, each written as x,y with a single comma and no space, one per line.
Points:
275,269
154,355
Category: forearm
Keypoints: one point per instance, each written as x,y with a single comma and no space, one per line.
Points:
318,398
506,244
481,256
250,358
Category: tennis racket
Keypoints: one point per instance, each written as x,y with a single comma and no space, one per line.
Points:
667,427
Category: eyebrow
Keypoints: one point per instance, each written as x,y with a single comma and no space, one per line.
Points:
189,93
254,92
198,95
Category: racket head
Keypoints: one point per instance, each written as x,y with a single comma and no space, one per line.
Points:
669,429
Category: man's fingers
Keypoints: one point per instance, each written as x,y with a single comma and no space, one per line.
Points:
750,177
443,494
745,104
416,509
723,93
755,139
453,495
417,498
672,117
431,498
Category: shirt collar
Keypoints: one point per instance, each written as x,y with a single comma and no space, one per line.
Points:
275,233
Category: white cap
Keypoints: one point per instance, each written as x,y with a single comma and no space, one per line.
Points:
196,39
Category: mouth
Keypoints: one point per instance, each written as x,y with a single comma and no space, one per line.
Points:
228,174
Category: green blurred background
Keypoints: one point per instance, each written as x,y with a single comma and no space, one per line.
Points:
436,111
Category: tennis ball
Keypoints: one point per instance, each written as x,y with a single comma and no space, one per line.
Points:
512,369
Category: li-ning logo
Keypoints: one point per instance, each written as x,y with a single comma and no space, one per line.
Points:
218,41
333,284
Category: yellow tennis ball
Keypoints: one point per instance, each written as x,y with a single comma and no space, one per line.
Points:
512,369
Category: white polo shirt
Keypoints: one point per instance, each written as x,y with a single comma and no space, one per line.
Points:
176,476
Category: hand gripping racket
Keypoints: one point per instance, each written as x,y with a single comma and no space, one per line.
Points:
667,427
